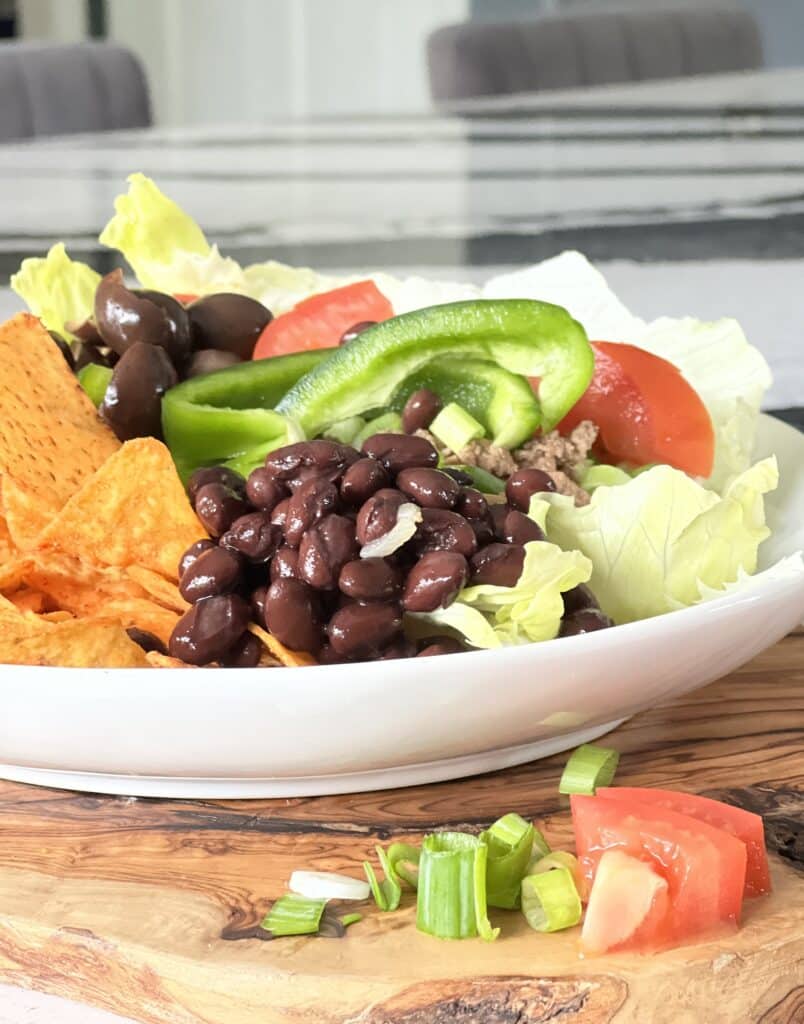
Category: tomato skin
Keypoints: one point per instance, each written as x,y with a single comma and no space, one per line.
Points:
646,411
747,827
185,298
321,320
704,867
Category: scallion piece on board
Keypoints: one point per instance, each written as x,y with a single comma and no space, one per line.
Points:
294,915
451,901
348,919
455,427
510,845
550,901
387,893
404,860
589,767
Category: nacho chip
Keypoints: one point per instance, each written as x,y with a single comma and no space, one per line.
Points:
158,588
291,659
87,643
134,511
157,660
32,601
60,616
13,573
51,438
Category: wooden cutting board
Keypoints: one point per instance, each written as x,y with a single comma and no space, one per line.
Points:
122,903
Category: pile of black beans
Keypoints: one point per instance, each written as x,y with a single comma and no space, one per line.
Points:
152,342
287,552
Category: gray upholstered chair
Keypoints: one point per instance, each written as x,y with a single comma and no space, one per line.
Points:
494,59
61,89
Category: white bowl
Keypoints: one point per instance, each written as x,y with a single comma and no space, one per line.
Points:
344,728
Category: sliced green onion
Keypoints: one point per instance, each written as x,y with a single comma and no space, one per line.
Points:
510,844
325,885
404,860
560,859
550,901
451,901
540,845
294,915
348,919
387,423
346,431
589,767
387,893
484,481
455,427
94,379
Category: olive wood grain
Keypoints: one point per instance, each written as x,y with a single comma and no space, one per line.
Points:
122,903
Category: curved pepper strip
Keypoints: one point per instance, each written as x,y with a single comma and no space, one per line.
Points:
502,401
532,338
228,415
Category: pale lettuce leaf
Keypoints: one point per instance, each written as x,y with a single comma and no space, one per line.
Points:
58,290
490,616
660,541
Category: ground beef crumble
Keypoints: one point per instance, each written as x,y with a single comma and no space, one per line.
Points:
557,455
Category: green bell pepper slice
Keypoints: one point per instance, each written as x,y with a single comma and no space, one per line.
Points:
523,336
94,379
502,401
228,417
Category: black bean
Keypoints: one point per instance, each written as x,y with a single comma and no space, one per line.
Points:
498,564
444,645
324,549
285,564
192,553
441,530
210,360
379,514
263,490
125,317
459,476
429,488
588,620
370,579
209,629
293,615
147,641
364,630
310,503
229,322
420,410
216,475
400,451
400,648
524,483
472,504
327,655
520,529
246,653
355,331
216,571
132,405
254,536
279,515
295,464
435,581
484,534
578,599
258,604
217,506
499,513
362,479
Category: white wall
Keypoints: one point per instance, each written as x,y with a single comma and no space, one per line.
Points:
253,60
62,21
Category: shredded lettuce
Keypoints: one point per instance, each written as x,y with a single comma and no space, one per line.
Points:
58,290
662,541
491,616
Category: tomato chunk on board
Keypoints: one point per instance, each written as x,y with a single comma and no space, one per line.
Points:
321,320
747,827
703,866
646,411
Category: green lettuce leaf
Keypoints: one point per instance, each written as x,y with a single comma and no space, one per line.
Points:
168,251
58,290
662,541
490,616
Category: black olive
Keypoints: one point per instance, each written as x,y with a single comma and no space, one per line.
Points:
132,405
125,316
229,322
209,360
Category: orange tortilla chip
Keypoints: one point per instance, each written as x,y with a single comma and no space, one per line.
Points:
157,660
51,438
87,643
291,659
60,616
134,511
13,573
158,588
27,600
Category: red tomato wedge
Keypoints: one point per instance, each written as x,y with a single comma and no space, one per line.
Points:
321,320
185,298
703,866
747,827
646,411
